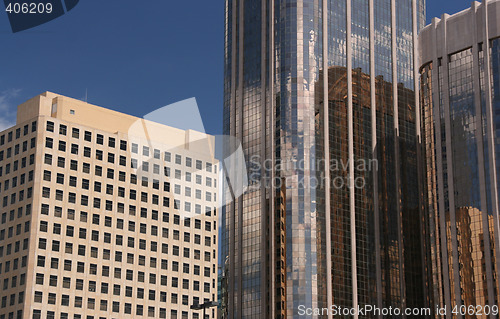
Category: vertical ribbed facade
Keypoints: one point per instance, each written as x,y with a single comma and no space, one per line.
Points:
322,95
459,78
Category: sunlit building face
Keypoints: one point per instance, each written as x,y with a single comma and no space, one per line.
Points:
96,222
459,102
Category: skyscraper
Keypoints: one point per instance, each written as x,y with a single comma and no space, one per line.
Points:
322,95
460,98
97,222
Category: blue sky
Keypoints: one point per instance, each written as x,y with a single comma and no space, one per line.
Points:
131,56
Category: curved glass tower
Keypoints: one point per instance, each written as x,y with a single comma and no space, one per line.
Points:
460,85
322,95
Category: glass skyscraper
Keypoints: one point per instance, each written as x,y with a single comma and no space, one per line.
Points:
460,98
322,95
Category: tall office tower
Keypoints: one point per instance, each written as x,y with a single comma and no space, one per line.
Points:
460,98
322,95
97,222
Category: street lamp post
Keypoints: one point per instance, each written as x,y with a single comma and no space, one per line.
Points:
204,306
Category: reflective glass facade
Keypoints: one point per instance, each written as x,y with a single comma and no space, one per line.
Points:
459,78
321,94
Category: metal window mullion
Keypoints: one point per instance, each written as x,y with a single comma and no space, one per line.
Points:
449,158
416,80
273,157
240,134
437,90
352,194
396,152
491,139
373,105
263,129
326,133
480,150
232,130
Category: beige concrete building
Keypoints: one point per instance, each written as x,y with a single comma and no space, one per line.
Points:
104,215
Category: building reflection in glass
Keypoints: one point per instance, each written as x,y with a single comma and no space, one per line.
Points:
459,103
317,246
391,245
